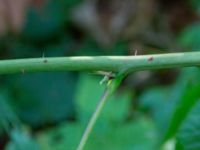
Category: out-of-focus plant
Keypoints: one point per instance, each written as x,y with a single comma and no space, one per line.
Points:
158,108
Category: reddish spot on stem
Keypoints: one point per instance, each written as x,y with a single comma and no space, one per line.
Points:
150,59
45,61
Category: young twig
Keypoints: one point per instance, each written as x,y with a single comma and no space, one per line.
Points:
105,63
93,119
112,85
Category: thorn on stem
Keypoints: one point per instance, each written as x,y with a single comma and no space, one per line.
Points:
136,52
43,56
45,61
150,59
107,76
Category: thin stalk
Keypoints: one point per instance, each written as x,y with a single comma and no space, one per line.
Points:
112,85
101,63
93,120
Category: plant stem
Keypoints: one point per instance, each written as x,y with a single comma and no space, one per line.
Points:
101,63
111,87
93,119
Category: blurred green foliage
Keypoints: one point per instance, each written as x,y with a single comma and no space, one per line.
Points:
195,4
49,111
190,37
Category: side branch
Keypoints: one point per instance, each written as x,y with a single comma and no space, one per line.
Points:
103,63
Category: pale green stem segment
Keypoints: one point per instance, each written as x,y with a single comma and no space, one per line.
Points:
111,87
93,120
101,63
